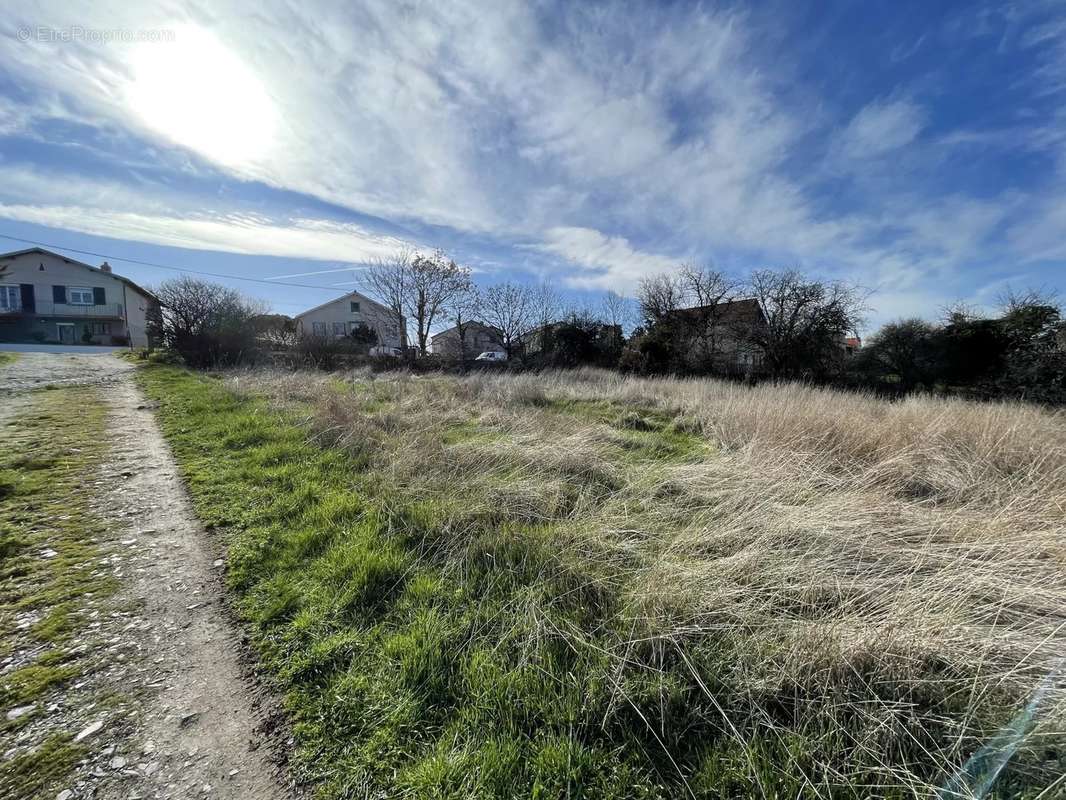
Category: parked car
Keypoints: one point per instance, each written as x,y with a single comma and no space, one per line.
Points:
492,355
381,351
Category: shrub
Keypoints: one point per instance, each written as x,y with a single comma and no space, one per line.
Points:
206,323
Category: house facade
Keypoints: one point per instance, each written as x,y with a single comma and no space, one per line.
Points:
47,298
338,318
721,336
477,338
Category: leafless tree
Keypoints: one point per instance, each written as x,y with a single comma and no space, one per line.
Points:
616,310
417,286
958,312
659,296
462,308
806,320
707,291
387,278
433,280
511,309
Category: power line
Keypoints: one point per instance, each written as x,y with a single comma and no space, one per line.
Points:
266,281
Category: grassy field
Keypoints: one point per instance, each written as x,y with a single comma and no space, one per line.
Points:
575,585
7,358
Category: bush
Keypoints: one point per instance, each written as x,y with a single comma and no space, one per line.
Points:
162,357
206,323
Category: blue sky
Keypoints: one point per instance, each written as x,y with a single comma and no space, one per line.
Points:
916,148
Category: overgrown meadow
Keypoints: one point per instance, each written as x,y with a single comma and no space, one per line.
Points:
576,584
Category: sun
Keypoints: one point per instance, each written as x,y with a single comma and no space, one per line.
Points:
196,92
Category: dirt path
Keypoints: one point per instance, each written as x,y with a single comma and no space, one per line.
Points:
196,727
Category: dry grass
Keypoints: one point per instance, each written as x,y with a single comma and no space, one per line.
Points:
884,566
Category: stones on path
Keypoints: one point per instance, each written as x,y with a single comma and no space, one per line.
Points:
20,711
90,730
189,719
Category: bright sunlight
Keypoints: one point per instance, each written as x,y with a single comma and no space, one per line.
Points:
198,93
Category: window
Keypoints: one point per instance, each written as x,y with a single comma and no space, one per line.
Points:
10,298
338,329
79,296
101,329
355,307
319,328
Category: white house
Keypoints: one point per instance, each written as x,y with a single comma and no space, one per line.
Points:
49,298
340,317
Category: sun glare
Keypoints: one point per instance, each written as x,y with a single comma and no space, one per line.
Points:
199,94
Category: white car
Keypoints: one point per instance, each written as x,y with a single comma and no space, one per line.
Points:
492,355
381,351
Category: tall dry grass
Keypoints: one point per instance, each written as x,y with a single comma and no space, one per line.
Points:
862,559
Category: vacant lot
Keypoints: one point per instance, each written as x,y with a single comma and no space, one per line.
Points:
577,585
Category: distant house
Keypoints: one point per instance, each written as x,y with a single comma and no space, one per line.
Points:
852,345
721,334
477,338
552,335
51,299
338,318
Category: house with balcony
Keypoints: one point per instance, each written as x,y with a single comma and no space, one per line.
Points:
47,298
338,318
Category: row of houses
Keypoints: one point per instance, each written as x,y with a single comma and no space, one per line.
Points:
49,298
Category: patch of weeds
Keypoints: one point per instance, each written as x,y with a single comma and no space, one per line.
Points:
7,358
32,774
30,683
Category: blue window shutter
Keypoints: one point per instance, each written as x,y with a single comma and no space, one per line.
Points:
29,303
59,294
99,298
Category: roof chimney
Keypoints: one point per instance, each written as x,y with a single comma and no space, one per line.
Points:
105,267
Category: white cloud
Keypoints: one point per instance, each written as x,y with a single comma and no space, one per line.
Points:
881,127
607,262
300,238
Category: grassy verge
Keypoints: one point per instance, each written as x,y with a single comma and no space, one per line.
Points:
49,572
463,595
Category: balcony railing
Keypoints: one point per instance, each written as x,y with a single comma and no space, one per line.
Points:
48,309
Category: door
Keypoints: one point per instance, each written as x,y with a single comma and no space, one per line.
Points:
66,332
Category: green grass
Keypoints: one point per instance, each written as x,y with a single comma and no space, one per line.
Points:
424,652
51,452
8,358
36,773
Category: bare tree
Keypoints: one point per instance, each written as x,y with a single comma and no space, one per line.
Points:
462,307
959,312
806,320
510,308
616,310
546,309
387,278
707,292
659,296
432,282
